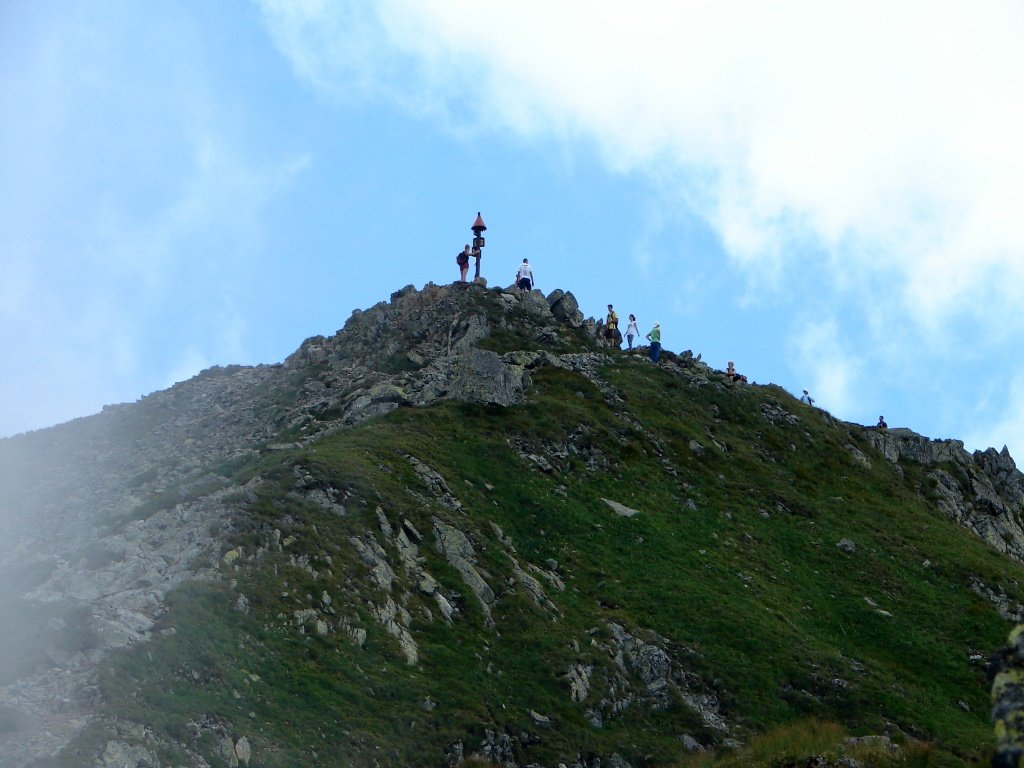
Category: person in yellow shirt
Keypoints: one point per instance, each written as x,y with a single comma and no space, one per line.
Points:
611,328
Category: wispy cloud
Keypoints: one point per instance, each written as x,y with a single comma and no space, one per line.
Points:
123,208
833,370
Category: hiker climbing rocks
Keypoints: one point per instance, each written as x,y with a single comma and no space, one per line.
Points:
631,330
611,328
655,338
462,259
524,276
806,398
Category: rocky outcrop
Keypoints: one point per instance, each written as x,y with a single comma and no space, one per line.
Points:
1006,672
983,491
102,516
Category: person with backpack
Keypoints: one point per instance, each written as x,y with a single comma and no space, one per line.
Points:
631,330
806,399
462,259
611,328
655,338
524,276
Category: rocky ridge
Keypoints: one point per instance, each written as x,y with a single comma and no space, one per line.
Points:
109,513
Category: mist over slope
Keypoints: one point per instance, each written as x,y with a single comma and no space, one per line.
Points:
459,529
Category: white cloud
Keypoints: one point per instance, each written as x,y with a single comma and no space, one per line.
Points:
834,372
887,133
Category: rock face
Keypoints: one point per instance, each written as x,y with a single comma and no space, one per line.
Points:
983,491
101,517
1006,671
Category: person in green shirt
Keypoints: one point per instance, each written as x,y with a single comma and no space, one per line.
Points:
655,338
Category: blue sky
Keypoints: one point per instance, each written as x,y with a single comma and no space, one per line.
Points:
831,195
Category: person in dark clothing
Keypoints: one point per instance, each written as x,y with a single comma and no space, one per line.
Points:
463,261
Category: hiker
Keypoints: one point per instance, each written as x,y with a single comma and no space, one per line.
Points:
463,261
655,338
524,276
732,375
631,330
806,398
881,423
611,328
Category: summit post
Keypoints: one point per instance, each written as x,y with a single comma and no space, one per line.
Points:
478,241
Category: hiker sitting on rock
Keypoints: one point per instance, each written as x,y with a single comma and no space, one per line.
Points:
733,376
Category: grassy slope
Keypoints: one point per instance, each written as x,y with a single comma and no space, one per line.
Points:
746,583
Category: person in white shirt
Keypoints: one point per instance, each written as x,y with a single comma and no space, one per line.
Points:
524,276
631,330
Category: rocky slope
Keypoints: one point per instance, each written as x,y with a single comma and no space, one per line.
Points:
327,504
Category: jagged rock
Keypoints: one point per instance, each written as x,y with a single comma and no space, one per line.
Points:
859,456
578,678
534,588
565,308
620,509
654,667
1006,672
436,484
776,414
460,553
539,719
118,754
991,503
479,375
690,744
875,607
847,546
395,621
243,751
373,555
1011,610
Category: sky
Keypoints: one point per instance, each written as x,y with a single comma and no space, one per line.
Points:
830,195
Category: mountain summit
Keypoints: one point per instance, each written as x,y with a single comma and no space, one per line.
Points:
460,531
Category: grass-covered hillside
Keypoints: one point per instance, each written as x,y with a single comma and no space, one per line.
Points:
451,582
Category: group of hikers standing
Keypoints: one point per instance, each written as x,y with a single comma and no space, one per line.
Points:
524,282
613,336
